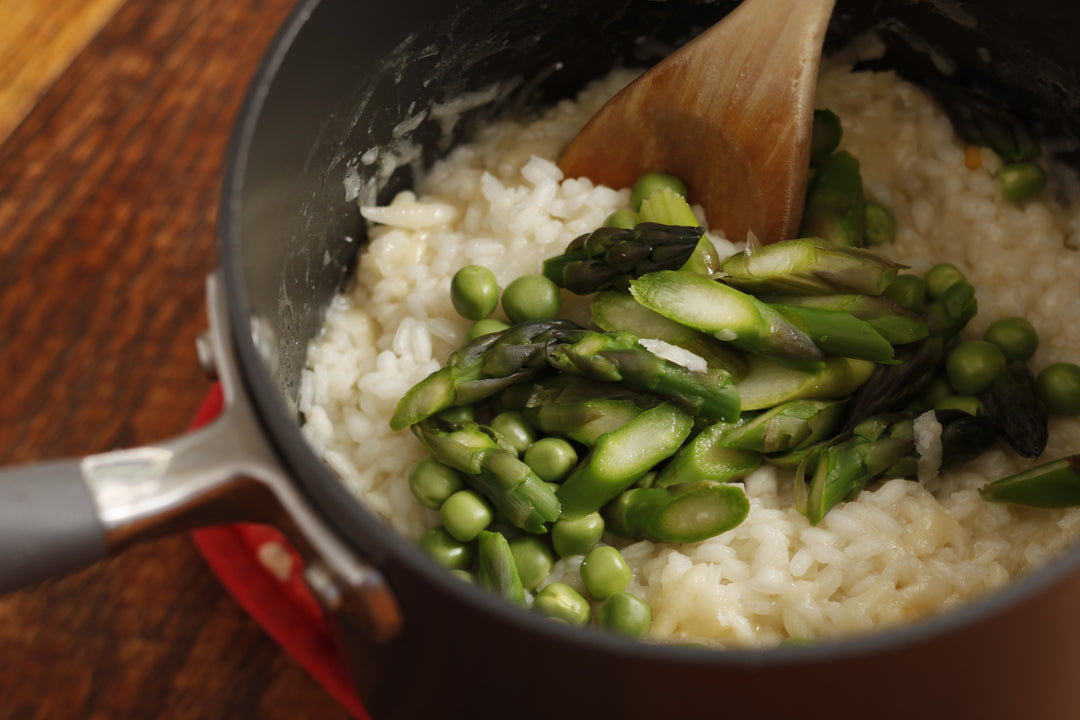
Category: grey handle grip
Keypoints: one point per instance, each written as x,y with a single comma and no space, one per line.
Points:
49,523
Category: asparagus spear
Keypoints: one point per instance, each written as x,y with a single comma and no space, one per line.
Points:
768,383
839,333
790,425
724,312
835,206
622,456
583,410
670,208
880,446
844,467
1049,485
897,324
509,483
1017,412
493,362
680,514
618,357
481,368
893,386
963,436
705,458
608,257
496,569
809,266
613,311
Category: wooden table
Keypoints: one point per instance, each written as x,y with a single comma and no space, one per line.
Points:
111,155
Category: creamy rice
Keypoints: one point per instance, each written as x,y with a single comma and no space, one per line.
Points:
902,550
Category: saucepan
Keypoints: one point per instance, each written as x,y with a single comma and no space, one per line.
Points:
337,81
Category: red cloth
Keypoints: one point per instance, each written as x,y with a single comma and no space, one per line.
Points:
259,567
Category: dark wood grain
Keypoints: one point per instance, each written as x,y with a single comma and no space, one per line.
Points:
108,198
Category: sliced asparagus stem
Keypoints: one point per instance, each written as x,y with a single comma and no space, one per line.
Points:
515,490
895,323
493,362
622,456
768,383
843,469
583,410
481,368
809,266
835,206
1049,485
615,311
788,426
496,569
704,458
839,333
680,514
618,357
725,313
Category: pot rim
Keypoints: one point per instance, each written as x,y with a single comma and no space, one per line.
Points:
377,543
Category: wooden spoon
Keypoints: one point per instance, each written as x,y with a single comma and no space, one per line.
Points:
730,114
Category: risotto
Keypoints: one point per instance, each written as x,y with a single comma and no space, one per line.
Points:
901,550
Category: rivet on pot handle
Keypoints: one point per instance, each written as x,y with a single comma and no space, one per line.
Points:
60,516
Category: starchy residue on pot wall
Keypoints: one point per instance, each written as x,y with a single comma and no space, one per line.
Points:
902,550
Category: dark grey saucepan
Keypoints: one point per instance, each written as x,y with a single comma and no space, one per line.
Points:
337,81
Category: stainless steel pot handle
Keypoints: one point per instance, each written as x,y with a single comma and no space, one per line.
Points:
60,516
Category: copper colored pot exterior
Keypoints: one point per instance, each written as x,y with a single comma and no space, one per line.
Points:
339,79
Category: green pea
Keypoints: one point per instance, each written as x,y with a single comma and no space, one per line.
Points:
825,136
445,549
625,219
1058,386
964,403
625,614
485,326
514,430
531,297
432,482
940,278
880,223
605,572
649,183
1021,181
1016,337
908,290
474,292
534,559
972,366
551,458
577,537
465,514
564,603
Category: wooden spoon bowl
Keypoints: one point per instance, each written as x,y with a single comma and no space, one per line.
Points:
730,114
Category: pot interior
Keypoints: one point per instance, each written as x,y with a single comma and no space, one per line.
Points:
351,100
